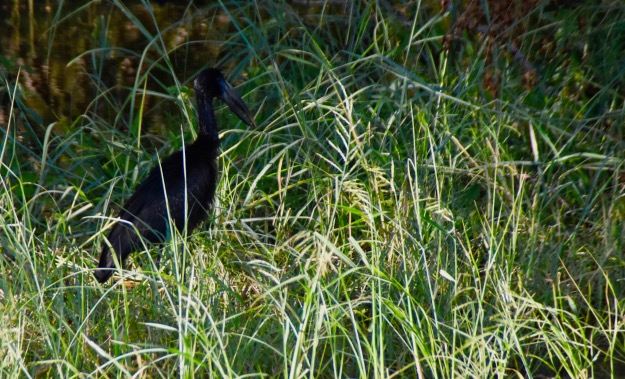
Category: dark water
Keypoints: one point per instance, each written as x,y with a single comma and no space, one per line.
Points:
66,53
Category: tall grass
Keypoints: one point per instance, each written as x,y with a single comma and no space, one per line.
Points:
388,218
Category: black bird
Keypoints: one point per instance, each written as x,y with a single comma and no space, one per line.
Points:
187,176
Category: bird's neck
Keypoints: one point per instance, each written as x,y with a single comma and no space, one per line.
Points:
206,119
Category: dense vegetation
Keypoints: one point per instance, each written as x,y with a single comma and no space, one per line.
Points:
431,192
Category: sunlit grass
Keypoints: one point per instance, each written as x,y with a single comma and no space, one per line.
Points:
384,220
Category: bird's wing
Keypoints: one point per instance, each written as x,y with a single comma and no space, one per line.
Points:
147,204
144,215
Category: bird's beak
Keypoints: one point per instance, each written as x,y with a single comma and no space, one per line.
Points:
235,103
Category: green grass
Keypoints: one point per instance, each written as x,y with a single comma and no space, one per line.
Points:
391,216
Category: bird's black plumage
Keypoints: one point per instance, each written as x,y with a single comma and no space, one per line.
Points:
187,177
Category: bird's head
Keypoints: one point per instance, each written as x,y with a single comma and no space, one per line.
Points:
211,83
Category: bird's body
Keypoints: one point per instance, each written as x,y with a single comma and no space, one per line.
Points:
181,188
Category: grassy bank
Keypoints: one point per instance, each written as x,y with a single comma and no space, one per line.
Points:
410,205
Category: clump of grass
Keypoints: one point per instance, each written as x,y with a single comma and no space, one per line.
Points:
388,217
